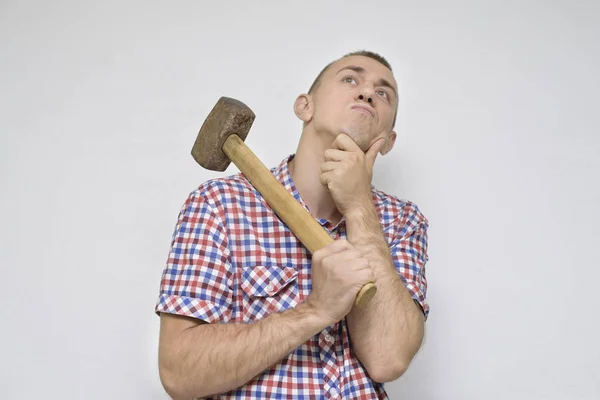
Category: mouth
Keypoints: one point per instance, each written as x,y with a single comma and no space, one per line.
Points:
364,109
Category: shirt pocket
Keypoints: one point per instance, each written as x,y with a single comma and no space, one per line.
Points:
268,289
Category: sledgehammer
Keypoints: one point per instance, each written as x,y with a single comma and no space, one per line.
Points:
221,141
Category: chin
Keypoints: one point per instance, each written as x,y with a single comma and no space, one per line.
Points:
359,136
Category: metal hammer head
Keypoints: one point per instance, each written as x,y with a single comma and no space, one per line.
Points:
228,117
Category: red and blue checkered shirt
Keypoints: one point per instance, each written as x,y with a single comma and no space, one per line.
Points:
233,260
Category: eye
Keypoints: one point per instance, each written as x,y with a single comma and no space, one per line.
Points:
349,79
382,93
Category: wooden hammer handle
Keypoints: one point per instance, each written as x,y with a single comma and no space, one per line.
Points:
300,222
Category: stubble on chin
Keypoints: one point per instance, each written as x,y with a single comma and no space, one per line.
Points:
359,136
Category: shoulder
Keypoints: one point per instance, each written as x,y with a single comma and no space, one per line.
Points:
403,213
220,192
216,188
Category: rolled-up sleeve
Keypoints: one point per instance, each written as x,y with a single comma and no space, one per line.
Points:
409,253
197,279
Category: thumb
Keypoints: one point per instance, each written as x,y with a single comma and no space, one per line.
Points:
373,150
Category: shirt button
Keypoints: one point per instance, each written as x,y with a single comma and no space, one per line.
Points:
328,339
333,392
270,287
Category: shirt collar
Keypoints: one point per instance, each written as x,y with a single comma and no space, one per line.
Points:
282,173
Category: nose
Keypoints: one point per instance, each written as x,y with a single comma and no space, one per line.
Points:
369,99
366,94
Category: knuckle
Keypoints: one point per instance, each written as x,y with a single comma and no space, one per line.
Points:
339,243
318,255
328,261
355,253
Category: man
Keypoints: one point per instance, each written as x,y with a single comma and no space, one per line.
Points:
247,312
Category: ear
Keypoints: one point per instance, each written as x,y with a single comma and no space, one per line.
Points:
388,144
304,107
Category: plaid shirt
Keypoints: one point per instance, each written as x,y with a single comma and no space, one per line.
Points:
233,260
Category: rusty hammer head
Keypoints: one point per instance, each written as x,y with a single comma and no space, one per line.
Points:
228,117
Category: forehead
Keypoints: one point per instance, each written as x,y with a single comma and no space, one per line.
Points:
373,68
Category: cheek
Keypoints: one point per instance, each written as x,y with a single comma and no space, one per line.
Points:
326,110
387,115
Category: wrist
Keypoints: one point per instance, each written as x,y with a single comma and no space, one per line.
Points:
362,224
361,211
314,315
365,232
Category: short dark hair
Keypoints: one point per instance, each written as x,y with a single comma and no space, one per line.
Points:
364,53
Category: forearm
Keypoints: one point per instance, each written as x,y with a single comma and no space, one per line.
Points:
216,358
388,332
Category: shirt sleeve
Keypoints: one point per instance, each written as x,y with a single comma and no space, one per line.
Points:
197,279
409,253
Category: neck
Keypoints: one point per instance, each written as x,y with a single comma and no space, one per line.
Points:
305,169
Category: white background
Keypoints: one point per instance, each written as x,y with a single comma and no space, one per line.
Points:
499,127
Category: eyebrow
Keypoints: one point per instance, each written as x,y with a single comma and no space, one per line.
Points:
380,82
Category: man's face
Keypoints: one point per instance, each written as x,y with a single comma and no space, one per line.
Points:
357,96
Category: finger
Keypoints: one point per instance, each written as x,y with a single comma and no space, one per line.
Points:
346,259
325,178
354,259
330,166
366,277
345,142
349,253
338,246
335,155
371,154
